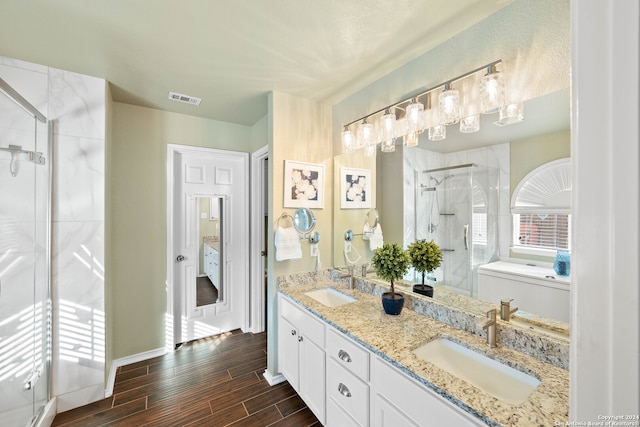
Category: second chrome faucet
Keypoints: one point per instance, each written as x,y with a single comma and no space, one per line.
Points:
490,325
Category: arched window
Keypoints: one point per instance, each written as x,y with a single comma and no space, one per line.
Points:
541,210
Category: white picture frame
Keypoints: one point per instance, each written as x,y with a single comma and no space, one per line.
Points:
303,185
355,188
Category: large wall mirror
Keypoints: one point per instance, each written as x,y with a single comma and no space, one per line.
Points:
419,191
209,285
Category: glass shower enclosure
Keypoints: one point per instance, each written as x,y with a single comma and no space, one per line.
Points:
457,207
24,260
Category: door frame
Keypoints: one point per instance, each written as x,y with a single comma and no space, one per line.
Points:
259,202
173,323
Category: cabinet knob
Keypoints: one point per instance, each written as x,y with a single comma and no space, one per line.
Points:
344,390
293,332
300,339
344,356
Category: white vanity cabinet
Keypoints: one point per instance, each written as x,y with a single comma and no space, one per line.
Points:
212,265
301,355
399,400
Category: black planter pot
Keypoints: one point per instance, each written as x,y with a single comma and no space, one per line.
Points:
394,305
423,290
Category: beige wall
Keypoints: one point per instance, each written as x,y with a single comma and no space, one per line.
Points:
138,214
298,129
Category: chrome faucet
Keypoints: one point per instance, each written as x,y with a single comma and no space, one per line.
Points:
351,276
505,309
490,326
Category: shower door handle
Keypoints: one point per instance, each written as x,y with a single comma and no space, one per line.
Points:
466,237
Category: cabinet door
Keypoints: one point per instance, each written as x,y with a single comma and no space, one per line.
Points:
414,400
288,352
384,414
312,375
337,417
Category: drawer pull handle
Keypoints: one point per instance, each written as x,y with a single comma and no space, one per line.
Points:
344,356
344,390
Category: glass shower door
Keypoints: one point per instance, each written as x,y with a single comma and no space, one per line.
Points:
24,265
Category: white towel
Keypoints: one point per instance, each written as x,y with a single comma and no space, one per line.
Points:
366,231
376,240
287,244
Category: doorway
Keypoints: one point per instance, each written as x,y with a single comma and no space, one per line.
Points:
259,228
207,236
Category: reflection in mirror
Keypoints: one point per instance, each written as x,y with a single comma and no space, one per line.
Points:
209,286
304,221
508,153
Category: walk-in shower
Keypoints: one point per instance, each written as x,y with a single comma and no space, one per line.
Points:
457,207
25,319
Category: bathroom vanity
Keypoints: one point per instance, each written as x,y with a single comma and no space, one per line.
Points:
212,260
356,366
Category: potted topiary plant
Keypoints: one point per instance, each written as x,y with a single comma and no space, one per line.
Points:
425,257
391,262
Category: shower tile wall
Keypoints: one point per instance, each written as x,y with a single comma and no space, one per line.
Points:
76,104
416,159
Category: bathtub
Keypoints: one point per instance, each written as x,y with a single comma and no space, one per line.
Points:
536,289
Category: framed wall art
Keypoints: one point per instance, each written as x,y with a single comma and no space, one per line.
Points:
303,185
355,188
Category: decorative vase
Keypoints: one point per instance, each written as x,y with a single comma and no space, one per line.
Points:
392,305
562,264
423,290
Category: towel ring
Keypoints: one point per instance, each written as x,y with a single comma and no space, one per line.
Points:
285,216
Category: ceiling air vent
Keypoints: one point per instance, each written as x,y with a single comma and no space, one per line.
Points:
184,98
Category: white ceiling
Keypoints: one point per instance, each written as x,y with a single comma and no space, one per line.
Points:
231,53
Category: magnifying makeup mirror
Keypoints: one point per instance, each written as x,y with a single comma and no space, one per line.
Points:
304,221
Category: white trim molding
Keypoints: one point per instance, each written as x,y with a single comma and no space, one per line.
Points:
123,361
258,261
273,379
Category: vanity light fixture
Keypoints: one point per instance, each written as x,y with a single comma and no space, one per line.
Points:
386,125
414,116
418,117
491,91
470,124
449,101
348,142
510,114
437,133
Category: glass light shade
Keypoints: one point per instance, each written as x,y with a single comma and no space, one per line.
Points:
348,142
386,124
365,134
510,114
411,139
414,117
437,133
491,93
470,124
370,149
388,145
449,101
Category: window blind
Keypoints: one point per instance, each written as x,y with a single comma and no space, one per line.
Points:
542,230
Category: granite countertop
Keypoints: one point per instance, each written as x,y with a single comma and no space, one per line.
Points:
395,337
212,241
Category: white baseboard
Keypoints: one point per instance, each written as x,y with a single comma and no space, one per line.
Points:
116,363
273,379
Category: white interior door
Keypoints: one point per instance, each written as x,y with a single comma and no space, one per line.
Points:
222,175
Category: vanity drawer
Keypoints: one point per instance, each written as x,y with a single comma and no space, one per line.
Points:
348,354
348,391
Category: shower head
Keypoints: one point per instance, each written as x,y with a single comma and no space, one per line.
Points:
438,182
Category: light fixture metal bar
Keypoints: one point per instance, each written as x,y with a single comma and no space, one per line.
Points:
18,99
423,93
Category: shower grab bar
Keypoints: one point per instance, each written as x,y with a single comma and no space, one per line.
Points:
15,150
18,99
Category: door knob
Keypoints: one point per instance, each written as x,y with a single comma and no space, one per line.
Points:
180,258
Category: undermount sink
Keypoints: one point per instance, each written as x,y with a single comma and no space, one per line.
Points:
330,297
497,379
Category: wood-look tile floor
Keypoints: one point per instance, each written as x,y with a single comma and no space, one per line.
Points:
216,381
